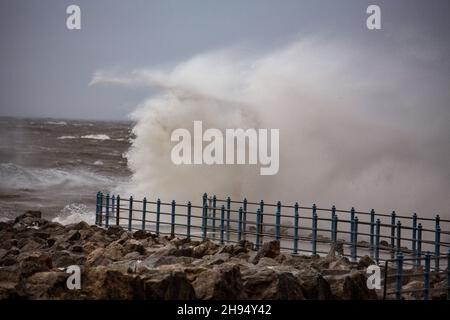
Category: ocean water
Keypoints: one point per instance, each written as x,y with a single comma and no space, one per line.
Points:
57,166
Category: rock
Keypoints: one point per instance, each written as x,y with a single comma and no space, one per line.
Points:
101,283
365,262
266,284
33,262
46,285
65,258
168,285
132,245
269,249
205,248
316,288
74,236
220,283
355,288
115,231
141,234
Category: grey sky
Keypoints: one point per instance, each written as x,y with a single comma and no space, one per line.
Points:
46,69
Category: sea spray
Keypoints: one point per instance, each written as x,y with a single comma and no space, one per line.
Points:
352,130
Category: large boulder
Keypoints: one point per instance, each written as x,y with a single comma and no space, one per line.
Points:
168,285
222,282
269,249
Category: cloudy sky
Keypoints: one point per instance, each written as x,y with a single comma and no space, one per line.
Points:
46,69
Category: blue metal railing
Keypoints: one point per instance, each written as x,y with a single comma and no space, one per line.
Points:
300,229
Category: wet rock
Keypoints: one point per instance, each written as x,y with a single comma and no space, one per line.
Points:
365,262
33,262
45,285
316,288
269,249
133,245
168,285
354,287
205,248
101,283
220,283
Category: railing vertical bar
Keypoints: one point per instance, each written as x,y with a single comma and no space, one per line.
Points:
393,229
419,245
100,213
130,213
189,215
296,228
158,215
399,235
278,221
222,223
437,243
240,224
377,241
118,210
244,218
144,212
214,204
372,232
314,230
228,218
172,220
107,211
258,228
97,208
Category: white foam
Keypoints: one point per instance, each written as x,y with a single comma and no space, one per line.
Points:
58,123
74,213
96,137
98,163
13,176
66,137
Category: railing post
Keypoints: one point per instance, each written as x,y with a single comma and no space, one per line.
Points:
278,221
333,213
107,211
314,230
393,229
372,232
352,225
335,222
399,280
222,223
261,222
419,245
97,207
100,212
130,213
118,210
240,224
172,220
296,228
158,215
355,239
258,228
377,241
189,215
414,234
399,235
144,212
426,290
205,221
244,218
214,204
437,247
228,218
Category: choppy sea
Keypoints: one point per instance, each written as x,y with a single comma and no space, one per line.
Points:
57,166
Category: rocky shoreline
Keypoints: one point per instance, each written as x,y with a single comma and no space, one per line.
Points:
116,264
